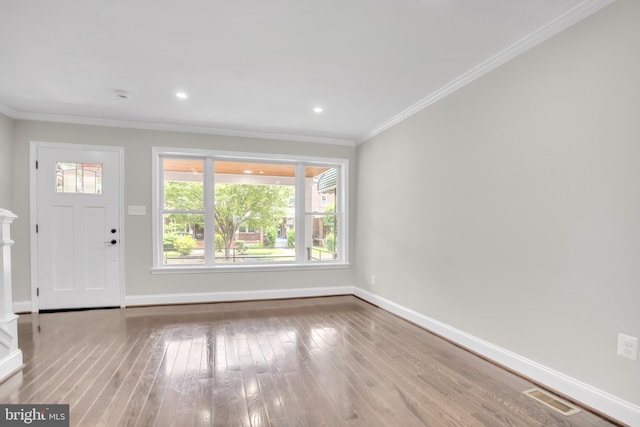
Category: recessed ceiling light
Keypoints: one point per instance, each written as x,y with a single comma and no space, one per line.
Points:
317,110
248,171
181,95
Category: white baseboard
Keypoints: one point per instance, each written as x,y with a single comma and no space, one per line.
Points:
599,400
161,299
10,364
22,306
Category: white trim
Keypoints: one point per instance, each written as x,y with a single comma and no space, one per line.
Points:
22,306
33,210
8,111
206,130
247,156
344,196
33,217
207,297
157,202
247,268
123,229
571,17
299,220
588,395
10,364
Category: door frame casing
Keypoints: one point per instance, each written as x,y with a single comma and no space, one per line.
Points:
33,211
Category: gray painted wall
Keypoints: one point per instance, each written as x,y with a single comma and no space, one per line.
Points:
511,209
6,162
138,143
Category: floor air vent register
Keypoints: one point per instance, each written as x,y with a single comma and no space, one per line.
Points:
553,402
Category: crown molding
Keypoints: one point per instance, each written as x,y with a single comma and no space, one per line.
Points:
8,111
91,121
571,17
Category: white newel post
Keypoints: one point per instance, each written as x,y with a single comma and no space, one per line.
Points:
10,355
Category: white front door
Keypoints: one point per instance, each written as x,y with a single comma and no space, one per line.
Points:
78,226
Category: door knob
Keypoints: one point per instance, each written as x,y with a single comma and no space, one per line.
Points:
113,242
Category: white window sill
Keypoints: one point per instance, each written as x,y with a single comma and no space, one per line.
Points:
194,269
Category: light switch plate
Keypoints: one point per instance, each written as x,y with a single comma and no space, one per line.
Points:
137,210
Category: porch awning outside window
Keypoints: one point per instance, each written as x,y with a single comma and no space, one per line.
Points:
327,181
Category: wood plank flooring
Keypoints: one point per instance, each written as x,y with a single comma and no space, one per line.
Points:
309,362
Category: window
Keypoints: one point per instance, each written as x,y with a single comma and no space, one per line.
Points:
226,210
183,211
245,229
321,215
78,178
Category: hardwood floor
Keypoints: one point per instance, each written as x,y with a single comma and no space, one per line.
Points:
310,362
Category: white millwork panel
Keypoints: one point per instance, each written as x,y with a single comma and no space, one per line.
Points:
10,355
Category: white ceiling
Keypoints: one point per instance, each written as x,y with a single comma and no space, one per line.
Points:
258,67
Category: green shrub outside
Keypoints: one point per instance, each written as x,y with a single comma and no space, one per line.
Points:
219,242
291,239
184,244
330,241
169,240
271,238
241,247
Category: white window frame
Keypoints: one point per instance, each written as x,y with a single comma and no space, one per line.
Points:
209,156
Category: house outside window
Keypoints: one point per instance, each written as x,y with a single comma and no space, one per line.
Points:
217,210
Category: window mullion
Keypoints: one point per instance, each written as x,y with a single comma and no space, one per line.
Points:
342,211
209,213
158,204
301,250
